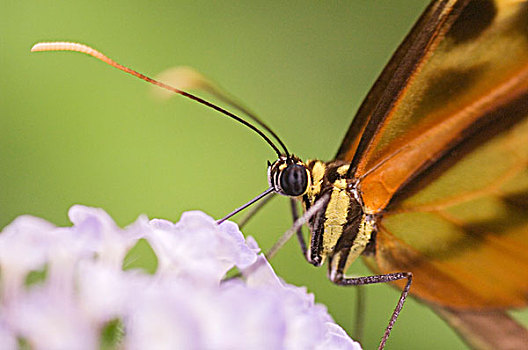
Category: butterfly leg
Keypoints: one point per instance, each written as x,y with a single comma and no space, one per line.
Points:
300,237
390,277
359,316
315,210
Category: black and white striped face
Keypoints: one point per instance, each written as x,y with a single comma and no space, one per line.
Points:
289,176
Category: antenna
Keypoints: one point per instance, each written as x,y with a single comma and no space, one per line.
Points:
76,47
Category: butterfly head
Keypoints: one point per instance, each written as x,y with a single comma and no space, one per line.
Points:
289,176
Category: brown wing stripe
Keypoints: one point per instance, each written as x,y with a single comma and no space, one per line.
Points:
494,123
474,19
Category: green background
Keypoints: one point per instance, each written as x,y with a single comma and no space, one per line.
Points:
73,130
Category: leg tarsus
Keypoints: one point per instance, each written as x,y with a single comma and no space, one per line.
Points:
390,277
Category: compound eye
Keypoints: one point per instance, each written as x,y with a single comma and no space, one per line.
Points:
294,180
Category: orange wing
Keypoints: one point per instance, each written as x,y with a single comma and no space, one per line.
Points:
445,162
462,63
465,234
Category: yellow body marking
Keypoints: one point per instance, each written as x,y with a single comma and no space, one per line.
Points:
342,170
336,217
317,173
366,227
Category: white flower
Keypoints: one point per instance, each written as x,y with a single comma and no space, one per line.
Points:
184,304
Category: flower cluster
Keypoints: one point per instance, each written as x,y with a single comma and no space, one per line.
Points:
70,288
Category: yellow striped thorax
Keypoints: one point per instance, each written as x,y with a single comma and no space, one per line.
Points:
341,231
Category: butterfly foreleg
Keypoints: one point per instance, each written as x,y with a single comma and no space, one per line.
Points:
300,237
296,227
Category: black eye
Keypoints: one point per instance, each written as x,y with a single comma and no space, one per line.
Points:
294,180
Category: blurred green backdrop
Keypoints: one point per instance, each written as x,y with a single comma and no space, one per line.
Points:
73,130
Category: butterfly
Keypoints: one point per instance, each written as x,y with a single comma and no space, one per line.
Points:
430,184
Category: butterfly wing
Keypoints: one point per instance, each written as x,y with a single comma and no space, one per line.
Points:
454,71
486,330
464,233
443,155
